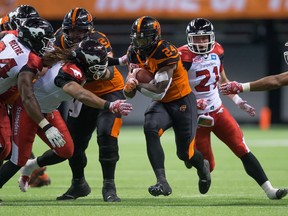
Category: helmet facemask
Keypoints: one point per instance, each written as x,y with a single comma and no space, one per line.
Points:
201,47
286,53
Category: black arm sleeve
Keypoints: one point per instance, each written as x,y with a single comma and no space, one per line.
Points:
113,61
63,78
187,65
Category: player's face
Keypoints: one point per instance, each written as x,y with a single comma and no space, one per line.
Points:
201,41
76,35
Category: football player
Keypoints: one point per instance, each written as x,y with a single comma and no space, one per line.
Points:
77,25
62,82
21,53
173,105
11,22
203,59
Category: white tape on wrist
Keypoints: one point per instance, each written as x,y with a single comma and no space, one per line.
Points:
43,123
246,87
236,99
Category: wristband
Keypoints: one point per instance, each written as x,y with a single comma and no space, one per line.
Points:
44,124
236,99
107,105
246,87
120,62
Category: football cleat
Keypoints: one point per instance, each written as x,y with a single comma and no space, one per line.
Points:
79,188
204,178
162,188
280,193
109,192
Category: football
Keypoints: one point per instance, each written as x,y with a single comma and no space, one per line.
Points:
144,76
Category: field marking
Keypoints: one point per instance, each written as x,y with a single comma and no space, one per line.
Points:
268,143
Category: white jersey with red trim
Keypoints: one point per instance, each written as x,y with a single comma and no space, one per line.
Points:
204,75
50,96
13,57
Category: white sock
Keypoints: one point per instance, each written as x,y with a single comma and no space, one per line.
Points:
30,166
269,190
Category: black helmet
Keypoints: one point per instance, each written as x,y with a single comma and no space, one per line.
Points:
79,19
37,34
91,57
145,34
200,27
19,15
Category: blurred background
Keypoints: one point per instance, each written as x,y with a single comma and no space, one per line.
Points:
252,32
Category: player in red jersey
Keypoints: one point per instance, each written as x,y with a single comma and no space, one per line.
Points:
12,21
21,52
173,105
203,59
78,24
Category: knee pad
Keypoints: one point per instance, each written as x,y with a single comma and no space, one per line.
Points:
108,149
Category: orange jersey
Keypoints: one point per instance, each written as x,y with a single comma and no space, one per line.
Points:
98,87
165,54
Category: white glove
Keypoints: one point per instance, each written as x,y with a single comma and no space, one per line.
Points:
243,105
53,134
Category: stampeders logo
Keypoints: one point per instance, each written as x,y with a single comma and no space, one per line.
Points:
16,123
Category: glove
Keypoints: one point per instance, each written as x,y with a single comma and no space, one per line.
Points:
131,81
52,133
231,88
202,104
247,108
55,137
133,66
120,107
243,105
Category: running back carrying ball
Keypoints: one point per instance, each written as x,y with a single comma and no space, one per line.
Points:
144,76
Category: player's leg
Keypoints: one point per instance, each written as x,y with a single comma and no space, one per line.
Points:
231,134
184,114
156,122
53,155
39,177
81,129
108,129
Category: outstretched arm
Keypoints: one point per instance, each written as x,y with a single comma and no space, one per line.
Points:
88,98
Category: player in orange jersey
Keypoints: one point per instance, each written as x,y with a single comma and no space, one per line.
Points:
173,105
78,24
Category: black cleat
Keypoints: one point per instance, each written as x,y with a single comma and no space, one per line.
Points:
109,192
281,193
162,188
79,188
204,178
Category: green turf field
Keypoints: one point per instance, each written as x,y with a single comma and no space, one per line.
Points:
232,192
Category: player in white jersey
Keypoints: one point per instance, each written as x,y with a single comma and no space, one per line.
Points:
203,59
20,57
62,82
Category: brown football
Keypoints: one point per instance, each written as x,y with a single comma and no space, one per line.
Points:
144,76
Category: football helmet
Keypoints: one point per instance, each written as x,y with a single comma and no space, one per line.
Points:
145,34
77,19
91,57
198,28
37,34
19,15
